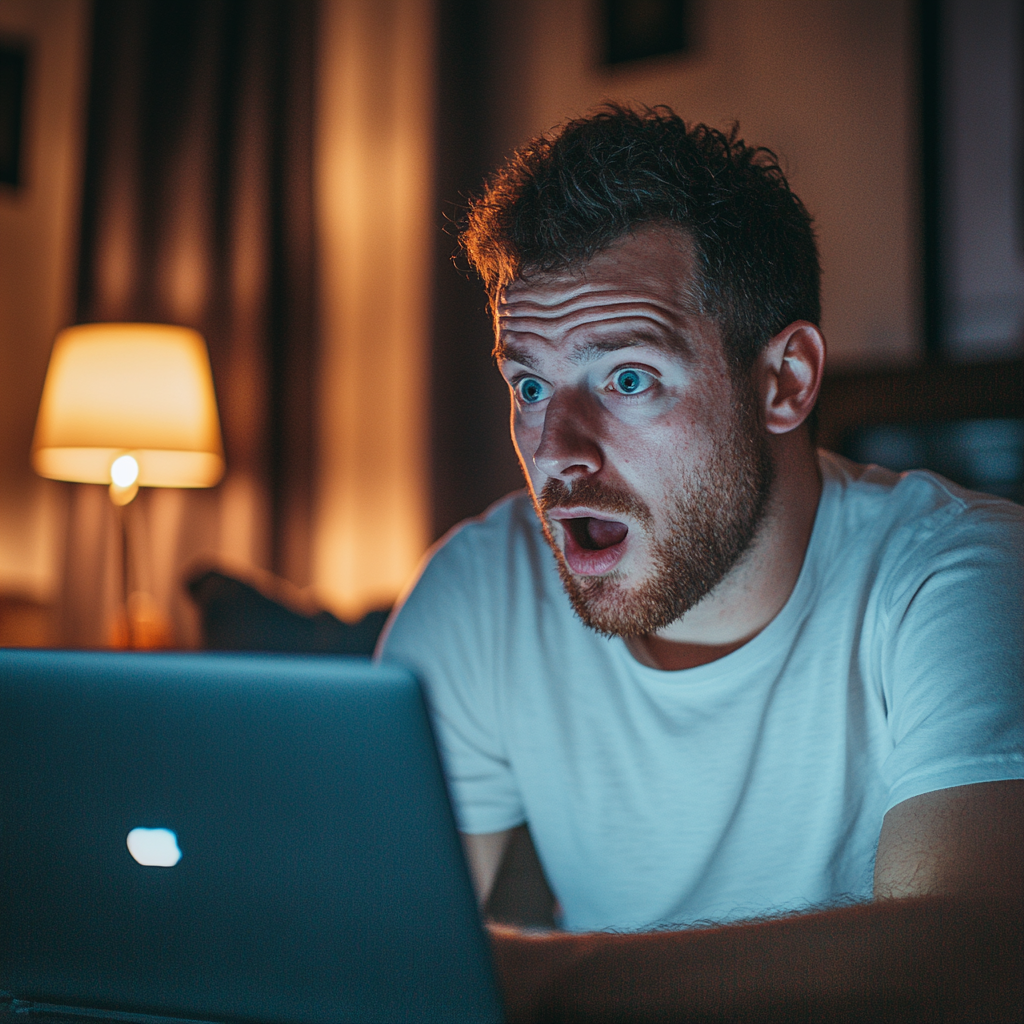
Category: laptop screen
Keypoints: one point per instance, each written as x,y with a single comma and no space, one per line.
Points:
230,837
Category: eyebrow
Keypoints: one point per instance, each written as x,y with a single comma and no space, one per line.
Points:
636,339
509,351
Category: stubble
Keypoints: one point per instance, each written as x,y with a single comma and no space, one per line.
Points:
712,521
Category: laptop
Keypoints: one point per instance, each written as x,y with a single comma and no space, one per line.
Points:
229,837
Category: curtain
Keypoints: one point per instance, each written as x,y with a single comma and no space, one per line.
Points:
197,209
473,462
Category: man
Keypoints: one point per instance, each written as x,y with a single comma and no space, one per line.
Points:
754,679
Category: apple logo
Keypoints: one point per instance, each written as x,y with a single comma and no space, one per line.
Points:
154,847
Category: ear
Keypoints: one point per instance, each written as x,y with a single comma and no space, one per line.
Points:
790,368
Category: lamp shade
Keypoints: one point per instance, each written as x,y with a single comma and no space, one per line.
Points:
139,389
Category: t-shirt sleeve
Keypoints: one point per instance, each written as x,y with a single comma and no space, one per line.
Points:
953,653
445,632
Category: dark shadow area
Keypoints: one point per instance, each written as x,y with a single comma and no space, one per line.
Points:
963,420
473,460
521,895
238,616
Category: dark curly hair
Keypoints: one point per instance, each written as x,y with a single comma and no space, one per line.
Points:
564,197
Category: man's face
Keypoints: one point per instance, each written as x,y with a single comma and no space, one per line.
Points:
648,468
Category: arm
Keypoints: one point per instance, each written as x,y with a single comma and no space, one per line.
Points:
968,840
484,853
954,952
509,880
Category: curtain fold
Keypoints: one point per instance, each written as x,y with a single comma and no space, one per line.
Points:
473,462
198,210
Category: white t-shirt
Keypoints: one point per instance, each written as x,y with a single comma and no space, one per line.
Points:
755,783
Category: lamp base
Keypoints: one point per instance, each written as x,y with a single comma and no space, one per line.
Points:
140,625
123,495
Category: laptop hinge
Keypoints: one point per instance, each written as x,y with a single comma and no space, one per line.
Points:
28,1009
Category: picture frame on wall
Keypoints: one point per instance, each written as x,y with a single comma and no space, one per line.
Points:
973,179
638,29
13,72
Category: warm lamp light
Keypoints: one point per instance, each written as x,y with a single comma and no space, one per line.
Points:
129,405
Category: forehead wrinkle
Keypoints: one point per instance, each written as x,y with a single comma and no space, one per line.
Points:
585,297
553,308
560,291
585,315
602,333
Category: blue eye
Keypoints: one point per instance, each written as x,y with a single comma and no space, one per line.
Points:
530,390
631,382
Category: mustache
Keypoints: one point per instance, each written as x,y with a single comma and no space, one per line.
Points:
594,495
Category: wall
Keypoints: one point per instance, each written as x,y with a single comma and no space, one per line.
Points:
38,231
828,86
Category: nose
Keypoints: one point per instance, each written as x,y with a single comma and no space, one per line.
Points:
569,446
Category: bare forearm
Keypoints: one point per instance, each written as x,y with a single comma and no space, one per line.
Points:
922,959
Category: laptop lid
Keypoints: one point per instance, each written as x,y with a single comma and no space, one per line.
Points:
320,875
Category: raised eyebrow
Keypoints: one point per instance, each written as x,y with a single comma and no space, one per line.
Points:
593,349
507,351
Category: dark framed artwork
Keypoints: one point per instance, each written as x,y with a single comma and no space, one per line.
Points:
13,67
638,29
972,148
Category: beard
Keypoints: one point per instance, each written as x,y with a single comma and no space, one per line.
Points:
712,520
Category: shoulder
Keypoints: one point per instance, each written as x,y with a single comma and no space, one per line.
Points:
941,579
920,558
915,517
467,574
909,495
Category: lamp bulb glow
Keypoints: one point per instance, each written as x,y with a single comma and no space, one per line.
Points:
124,471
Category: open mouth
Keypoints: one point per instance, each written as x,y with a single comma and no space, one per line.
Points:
593,546
596,534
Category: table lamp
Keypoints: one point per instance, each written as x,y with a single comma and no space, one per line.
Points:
129,405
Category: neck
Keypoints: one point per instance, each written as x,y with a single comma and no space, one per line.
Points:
757,587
